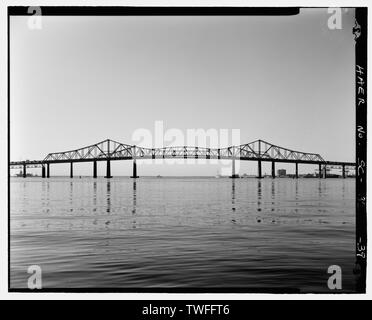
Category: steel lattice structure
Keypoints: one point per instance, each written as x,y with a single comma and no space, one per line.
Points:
113,150
256,150
100,151
107,150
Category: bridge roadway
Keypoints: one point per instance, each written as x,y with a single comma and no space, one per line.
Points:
109,150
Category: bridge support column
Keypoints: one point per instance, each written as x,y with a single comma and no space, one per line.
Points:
296,170
24,173
233,169
94,169
273,169
48,170
325,172
134,175
233,172
108,169
71,170
134,155
43,171
343,171
320,171
259,170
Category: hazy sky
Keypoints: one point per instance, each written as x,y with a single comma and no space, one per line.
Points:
79,80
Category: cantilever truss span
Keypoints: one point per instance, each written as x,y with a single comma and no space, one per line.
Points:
256,150
108,150
100,151
113,150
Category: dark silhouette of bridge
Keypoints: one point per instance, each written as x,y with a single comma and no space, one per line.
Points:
110,150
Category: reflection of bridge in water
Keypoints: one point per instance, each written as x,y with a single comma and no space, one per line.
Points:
109,150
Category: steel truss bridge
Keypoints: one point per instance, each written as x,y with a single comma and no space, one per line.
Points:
110,150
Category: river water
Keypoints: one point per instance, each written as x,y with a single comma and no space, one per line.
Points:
182,233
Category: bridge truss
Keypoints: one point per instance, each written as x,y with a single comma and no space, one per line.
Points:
107,150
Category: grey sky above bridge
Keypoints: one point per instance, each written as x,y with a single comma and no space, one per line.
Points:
79,80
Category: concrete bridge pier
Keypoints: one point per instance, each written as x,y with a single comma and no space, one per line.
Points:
48,170
320,171
94,169
325,172
134,175
273,169
259,170
71,170
343,171
296,170
24,173
108,169
233,173
43,171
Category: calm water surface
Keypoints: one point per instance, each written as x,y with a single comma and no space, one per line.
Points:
182,232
